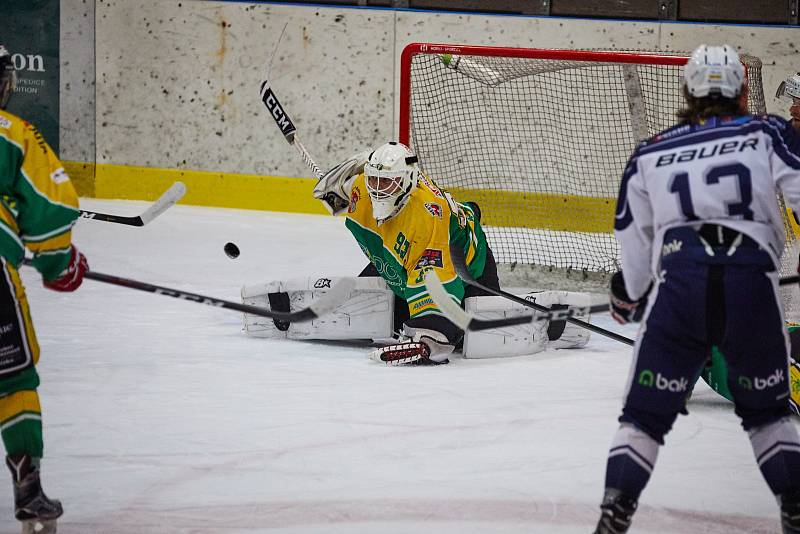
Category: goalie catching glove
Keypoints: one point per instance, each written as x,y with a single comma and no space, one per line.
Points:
426,347
333,188
623,309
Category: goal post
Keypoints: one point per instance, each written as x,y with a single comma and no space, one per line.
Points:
540,138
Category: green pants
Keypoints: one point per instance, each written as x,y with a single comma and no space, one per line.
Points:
715,372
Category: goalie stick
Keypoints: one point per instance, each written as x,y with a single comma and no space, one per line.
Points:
164,202
286,126
461,268
466,321
327,302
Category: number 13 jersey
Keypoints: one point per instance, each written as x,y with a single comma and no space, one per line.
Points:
726,171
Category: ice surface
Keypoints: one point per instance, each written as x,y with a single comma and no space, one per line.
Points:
162,416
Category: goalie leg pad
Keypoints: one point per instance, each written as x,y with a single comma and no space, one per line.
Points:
366,314
528,338
518,340
561,334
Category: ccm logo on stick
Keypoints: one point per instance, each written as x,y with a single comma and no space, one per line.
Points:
274,107
186,296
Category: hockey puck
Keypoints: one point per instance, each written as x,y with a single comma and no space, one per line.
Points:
231,250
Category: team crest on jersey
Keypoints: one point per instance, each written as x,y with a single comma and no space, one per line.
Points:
430,258
355,196
434,209
5,123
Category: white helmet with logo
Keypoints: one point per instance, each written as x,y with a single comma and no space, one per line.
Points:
714,70
391,175
790,88
8,77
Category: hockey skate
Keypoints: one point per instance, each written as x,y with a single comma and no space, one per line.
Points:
32,507
617,511
790,512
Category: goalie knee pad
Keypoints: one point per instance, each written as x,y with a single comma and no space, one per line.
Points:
366,314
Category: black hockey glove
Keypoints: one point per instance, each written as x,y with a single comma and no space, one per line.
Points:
623,309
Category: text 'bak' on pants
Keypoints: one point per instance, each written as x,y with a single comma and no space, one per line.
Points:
701,300
694,305
20,412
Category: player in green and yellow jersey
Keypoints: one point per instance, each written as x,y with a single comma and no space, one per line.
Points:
405,225
38,207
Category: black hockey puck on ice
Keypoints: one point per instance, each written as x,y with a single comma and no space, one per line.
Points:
231,250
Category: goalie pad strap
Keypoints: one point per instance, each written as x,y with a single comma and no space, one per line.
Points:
279,302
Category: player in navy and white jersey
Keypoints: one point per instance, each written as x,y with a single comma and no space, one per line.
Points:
701,233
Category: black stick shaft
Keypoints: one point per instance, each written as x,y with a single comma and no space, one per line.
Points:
194,297
177,293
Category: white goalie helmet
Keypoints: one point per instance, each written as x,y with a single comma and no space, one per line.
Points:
391,175
714,70
789,89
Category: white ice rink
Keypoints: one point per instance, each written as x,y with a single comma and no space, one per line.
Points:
162,416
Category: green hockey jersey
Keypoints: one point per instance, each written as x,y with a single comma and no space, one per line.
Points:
38,204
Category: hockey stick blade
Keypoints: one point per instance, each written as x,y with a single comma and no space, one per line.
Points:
463,272
462,319
321,306
168,199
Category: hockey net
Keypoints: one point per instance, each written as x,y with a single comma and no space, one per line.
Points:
539,138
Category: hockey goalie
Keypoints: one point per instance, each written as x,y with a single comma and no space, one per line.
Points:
405,224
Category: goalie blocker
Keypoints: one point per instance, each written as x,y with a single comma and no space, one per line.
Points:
369,315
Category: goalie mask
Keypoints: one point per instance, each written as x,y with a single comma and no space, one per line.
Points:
789,89
8,77
714,70
391,175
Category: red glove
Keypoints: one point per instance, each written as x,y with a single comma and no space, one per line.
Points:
71,277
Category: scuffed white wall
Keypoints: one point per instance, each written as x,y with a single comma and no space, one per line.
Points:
77,103
177,81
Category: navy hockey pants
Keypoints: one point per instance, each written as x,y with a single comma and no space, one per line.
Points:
710,293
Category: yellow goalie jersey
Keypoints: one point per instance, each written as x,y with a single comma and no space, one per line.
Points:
418,238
